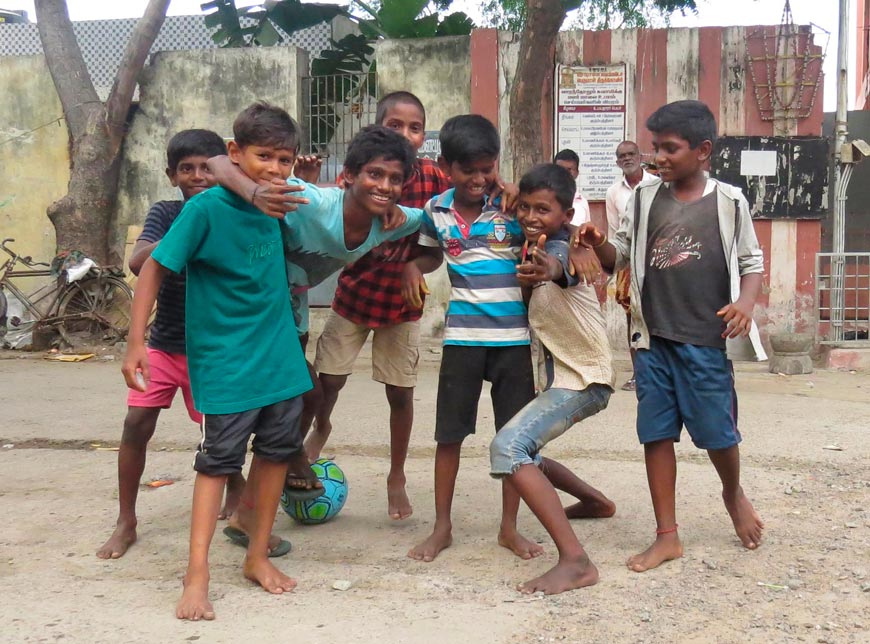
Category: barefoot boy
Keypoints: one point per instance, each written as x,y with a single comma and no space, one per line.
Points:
328,228
577,374
369,300
247,370
696,271
186,154
487,335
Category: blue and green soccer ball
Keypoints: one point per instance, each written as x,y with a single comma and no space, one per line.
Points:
328,504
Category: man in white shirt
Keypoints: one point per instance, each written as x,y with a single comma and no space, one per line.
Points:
569,160
615,200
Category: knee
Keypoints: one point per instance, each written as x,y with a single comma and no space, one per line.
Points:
331,385
399,397
499,448
507,452
139,425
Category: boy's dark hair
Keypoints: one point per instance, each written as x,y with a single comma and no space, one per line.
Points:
378,142
549,176
189,143
394,98
266,125
469,137
690,120
567,155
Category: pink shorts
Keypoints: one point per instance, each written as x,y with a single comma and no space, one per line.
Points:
168,375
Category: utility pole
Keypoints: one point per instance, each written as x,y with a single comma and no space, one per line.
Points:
842,175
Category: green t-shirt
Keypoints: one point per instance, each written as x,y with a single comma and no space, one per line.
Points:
242,347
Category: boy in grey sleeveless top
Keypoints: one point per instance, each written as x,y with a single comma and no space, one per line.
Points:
696,273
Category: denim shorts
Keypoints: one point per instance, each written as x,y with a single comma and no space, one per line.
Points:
685,384
547,417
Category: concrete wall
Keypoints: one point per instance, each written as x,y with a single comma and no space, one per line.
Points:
207,89
438,71
34,159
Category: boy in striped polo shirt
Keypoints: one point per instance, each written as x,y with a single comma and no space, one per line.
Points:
486,335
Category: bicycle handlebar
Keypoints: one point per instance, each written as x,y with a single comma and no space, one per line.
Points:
27,261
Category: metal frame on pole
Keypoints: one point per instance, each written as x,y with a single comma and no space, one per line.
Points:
842,175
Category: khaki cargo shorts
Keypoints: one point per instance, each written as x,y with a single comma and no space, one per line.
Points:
395,350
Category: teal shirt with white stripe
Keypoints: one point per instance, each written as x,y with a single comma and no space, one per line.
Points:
486,303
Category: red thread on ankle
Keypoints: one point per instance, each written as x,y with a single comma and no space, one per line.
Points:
668,530
246,503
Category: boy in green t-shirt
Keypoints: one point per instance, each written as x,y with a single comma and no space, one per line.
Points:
247,369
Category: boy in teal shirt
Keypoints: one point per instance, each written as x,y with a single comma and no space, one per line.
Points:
246,365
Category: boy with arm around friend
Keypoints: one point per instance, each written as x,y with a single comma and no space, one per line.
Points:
246,365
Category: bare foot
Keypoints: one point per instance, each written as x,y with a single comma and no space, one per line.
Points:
316,441
664,548
398,504
565,575
747,523
300,475
194,604
261,571
122,538
235,487
440,539
519,545
602,508
243,520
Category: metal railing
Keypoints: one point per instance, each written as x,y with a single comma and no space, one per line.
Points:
337,107
843,298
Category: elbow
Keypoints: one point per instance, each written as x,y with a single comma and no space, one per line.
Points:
135,265
751,264
216,164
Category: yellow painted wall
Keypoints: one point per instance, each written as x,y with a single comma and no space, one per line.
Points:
34,160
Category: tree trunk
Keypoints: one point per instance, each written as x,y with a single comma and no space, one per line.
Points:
83,218
536,58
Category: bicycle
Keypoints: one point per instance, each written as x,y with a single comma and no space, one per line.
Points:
92,310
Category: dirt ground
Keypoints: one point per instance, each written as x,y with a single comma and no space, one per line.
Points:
809,582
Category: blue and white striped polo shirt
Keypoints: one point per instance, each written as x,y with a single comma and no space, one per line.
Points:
486,303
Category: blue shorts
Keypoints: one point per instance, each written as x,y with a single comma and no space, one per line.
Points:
684,384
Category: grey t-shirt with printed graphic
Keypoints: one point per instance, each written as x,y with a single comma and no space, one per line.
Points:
686,280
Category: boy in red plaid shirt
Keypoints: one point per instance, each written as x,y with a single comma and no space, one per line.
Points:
369,299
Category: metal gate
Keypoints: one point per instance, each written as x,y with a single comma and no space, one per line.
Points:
336,107
843,298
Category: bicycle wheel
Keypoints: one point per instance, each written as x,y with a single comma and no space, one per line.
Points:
95,311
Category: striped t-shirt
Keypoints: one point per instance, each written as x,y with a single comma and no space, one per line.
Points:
486,303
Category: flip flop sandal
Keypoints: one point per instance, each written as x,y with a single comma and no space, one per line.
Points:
301,493
241,539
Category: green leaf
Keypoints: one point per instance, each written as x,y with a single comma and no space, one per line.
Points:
213,19
456,24
292,15
267,35
424,27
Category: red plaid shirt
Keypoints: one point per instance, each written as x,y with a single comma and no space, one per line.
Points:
369,291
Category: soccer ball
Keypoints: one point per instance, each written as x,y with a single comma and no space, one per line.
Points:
328,504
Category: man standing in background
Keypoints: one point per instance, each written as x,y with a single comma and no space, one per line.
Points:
615,200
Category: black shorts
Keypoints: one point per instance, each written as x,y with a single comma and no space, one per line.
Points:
463,370
276,430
